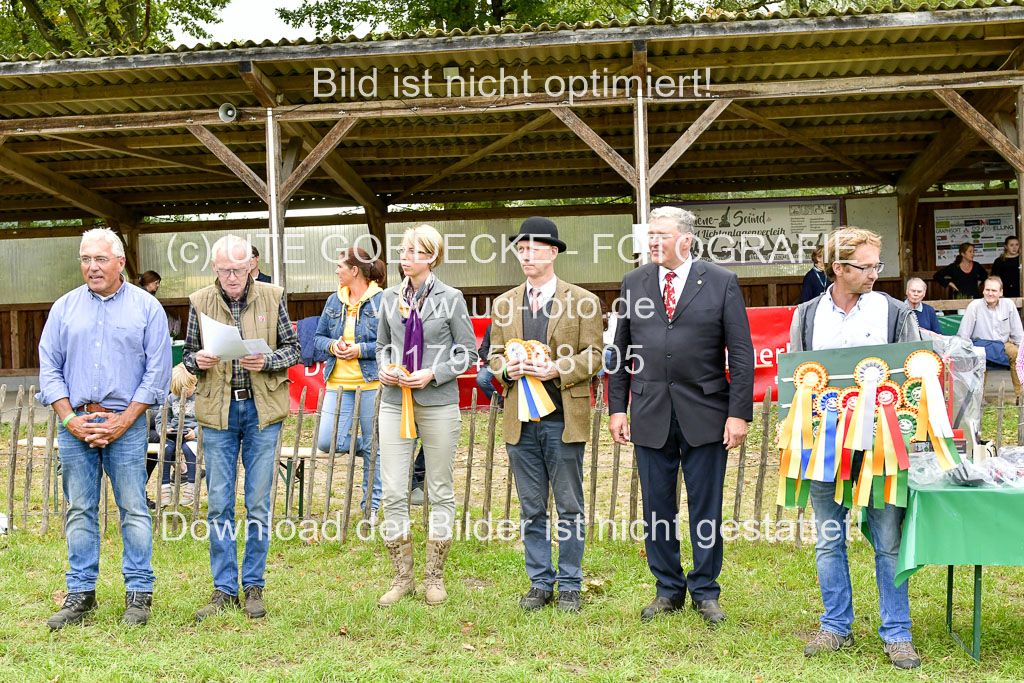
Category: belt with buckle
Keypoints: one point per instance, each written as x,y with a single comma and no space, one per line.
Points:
94,408
241,394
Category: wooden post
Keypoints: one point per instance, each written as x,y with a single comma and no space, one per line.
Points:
160,458
29,453
352,449
291,469
330,462
277,465
12,463
103,504
740,471
999,415
906,208
641,160
634,484
274,206
374,446
469,463
595,440
200,458
297,462
489,463
616,452
762,466
15,343
51,429
179,455
377,225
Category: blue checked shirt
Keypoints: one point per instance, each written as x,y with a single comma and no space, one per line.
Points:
286,355
112,350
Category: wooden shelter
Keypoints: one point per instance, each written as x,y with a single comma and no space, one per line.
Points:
899,100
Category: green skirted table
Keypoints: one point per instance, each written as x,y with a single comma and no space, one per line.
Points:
951,525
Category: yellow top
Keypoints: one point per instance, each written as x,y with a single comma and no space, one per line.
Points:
346,375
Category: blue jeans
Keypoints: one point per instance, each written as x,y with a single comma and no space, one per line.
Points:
221,452
323,439
885,526
484,381
124,461
539,459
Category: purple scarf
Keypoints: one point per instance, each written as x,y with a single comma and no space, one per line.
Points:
411,301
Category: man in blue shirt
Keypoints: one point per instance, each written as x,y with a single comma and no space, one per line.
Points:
926,318
104,358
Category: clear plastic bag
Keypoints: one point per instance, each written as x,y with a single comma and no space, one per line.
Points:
924,469
989,472
967,367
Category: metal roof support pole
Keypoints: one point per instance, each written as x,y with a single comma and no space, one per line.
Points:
275,206
1019,111
642,189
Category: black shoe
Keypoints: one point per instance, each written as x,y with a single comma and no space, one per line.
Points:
535,599
254,608
569,601
661,605
76,606
710,611
219,602
137,606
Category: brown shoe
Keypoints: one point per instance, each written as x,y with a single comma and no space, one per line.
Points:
219,602
710,611
400,554
826,641
433,575
902,654
254,608
661,605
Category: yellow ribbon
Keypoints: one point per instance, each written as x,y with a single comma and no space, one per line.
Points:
408,425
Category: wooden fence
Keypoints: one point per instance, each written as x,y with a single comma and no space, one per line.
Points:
311,485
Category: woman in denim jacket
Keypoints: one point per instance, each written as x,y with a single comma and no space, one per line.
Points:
347,332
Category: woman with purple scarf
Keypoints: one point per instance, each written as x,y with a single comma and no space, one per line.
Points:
424,342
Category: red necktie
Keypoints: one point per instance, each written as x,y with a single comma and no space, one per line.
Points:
670,295
534,299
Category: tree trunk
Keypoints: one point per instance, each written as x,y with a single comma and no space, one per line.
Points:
46,27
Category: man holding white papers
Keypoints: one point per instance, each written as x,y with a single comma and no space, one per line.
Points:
239,402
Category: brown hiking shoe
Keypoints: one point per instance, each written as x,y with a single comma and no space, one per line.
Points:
400,553
433,575
826,641
219,602
902,654
254,608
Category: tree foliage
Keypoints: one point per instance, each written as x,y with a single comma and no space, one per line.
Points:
70,25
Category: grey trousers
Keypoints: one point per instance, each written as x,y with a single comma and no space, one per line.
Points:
438,427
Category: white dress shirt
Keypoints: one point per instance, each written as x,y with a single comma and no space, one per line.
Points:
547,292
866,324
1001,323
682,272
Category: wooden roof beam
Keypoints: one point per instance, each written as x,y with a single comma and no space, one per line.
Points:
313,160
229,159
596,143
687,139
811,144
338,169
476,156
950,145
59,186
260,84
984,128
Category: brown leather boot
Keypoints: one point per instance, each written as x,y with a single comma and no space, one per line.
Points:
400,553
433,575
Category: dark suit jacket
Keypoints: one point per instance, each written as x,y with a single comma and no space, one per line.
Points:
683,360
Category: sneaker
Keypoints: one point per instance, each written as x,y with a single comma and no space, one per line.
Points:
254,608
165,495
826,641
137,606
187,496
569,601
902,654
374,518
219,602
76,606
416,497
535,599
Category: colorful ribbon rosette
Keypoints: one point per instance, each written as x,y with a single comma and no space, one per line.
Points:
796,436
534,402
407,430
932,418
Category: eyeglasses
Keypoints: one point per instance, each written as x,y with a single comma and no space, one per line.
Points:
877,268
237,272
99,260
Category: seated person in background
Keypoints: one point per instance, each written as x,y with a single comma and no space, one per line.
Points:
484,376
963,276
183,385
926,318
816,280
994,324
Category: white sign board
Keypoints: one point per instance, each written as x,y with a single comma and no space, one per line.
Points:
986,227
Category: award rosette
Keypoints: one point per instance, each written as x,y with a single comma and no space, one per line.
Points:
932,420
407,429
797,436
534,402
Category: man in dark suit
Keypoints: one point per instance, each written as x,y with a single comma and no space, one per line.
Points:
677,317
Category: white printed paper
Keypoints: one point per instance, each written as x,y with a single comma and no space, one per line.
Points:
225,341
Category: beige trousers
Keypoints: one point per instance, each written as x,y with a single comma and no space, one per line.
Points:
438,427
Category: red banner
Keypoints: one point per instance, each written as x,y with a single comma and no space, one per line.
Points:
769,330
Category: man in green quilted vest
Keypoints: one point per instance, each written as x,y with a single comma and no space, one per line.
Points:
240,403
